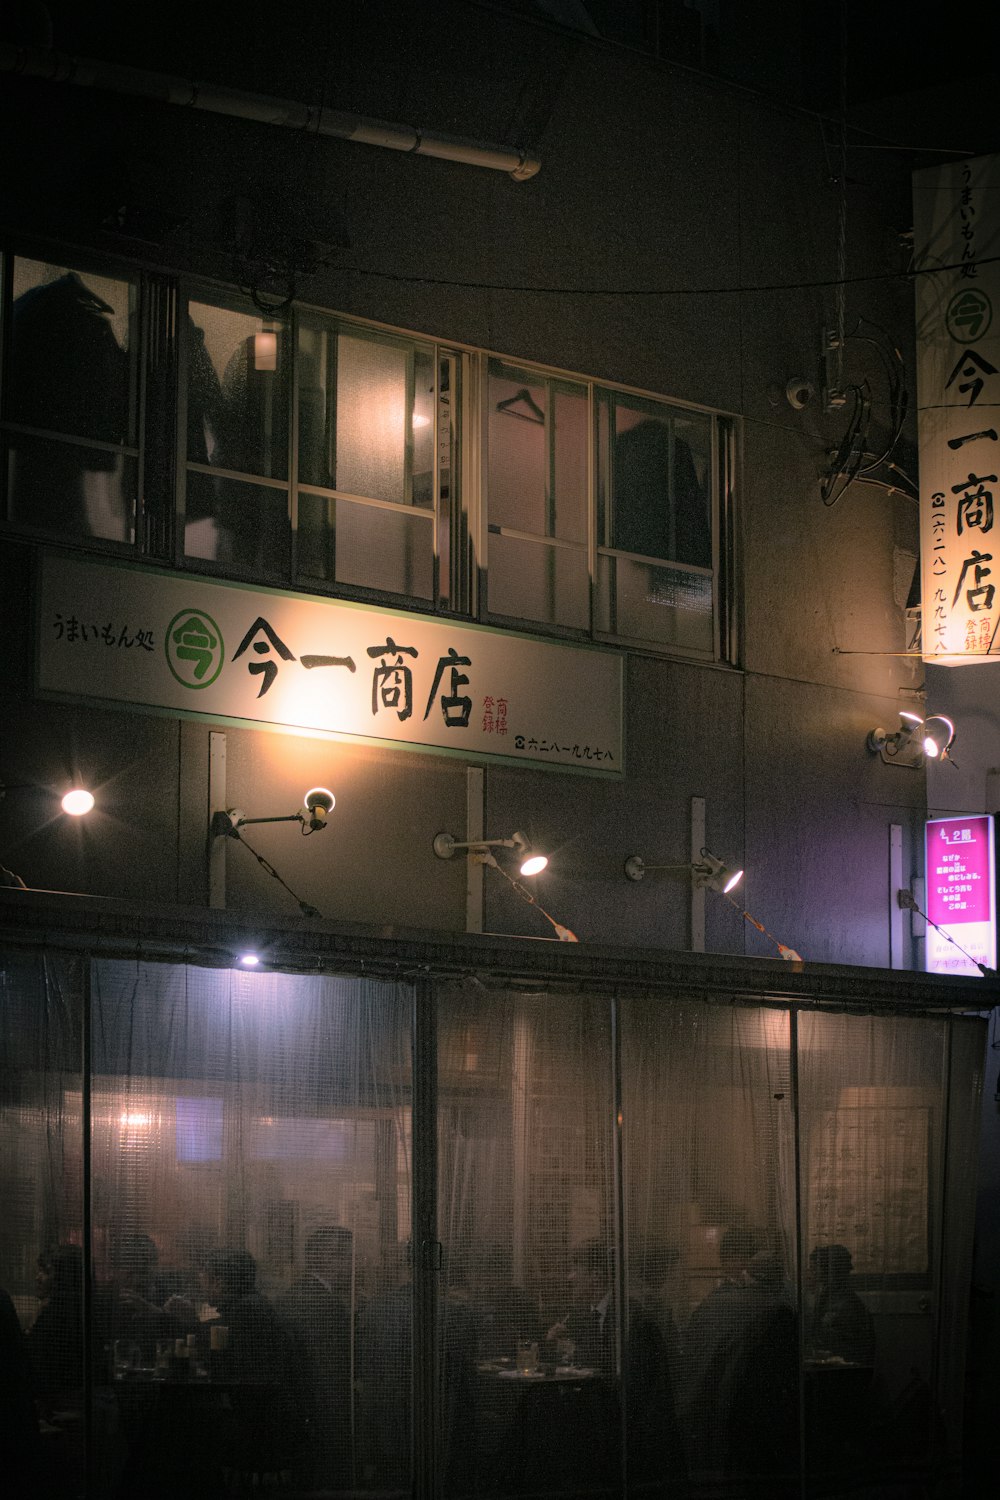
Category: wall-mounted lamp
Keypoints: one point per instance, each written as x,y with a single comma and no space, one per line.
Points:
709,872
917,739
77,802
445,845
318,803
481,850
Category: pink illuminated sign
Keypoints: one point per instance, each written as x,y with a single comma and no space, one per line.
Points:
961,895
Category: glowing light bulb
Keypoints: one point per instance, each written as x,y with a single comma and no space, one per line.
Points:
249,960
534,864
77,802
265,350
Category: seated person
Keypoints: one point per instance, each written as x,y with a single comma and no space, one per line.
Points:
263,1357
504,1314
129,1307
317,1307
840,1323
55,1339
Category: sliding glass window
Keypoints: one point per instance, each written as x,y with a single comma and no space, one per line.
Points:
70,412
236,367
368,407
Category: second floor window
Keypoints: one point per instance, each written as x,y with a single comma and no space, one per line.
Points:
70,414
314,451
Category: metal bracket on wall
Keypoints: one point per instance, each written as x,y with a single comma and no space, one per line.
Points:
834,396
697,890
216,798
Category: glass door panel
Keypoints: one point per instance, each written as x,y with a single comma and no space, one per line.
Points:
529,1332
251,1215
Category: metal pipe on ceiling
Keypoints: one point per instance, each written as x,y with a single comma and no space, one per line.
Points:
60,67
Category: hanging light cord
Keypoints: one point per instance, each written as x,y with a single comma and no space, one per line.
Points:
265,864
907,902
782,948
562,933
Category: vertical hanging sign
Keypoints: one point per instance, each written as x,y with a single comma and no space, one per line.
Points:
961,895
956,241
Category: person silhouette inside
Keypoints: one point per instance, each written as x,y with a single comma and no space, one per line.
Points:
19,1452
761,1395
55,1340
385,1363
840,1323
651,1425
713,1341
841,1345
317,1307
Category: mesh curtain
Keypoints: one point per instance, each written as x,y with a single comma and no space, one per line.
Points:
684,1246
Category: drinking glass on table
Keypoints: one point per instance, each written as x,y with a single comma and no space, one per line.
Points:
126,1356
527,1357
566,1352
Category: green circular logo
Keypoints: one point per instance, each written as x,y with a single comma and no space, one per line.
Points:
194,647
969,315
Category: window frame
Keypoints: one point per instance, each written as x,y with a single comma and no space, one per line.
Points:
133,451
724,649
459,517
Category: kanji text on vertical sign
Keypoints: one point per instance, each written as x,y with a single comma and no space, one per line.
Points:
956,241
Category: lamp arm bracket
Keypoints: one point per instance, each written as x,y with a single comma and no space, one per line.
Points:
227,824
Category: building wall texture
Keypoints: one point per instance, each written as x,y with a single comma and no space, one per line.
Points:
680,238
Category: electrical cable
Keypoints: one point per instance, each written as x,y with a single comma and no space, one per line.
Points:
783,949
908,903
678,291
563,933
265,864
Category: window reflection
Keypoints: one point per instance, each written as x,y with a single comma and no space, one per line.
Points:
655,510
537,488
237,420
71,367
367,431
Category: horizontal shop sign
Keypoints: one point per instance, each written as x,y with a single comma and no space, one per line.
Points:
176,642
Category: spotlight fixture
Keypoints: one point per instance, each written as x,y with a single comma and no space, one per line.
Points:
481,850
445,845
916,739
708,873
249,959
318,803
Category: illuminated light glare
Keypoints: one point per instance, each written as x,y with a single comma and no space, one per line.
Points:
77,802
249,960
534,864
931,747
732,882
320,791
134,1120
